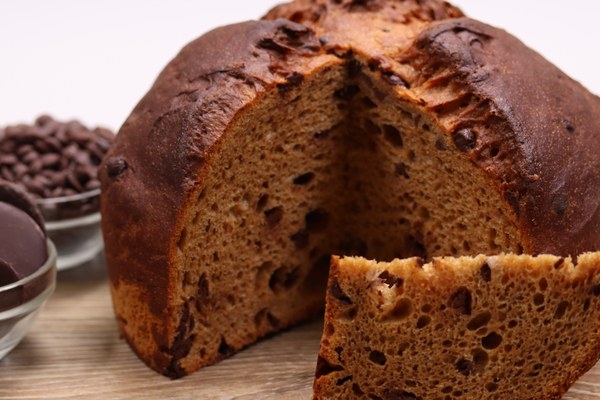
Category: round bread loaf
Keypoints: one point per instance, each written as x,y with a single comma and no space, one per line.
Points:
376,128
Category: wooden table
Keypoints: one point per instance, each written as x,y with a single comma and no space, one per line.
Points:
74,351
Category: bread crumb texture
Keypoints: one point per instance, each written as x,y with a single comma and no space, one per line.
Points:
501,327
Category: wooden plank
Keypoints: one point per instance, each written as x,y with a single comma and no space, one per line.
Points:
74,351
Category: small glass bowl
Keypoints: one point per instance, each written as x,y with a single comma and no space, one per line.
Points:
21,301
73,224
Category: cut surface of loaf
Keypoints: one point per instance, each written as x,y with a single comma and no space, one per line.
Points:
501,327
385,129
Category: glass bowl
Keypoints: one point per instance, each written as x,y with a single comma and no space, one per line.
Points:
21,301
73,224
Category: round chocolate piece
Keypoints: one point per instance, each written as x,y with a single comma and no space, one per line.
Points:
22,237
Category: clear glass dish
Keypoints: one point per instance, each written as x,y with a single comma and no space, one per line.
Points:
73,224
21,301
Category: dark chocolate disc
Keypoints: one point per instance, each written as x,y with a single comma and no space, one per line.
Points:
17,197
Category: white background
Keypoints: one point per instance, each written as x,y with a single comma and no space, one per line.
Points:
94,60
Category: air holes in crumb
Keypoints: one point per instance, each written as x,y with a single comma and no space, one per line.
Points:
491,387
402,310
412,156
262,202
561,309
486,272
400,169
182,240
480,358
423,321
403,347
321,135
300,239
465,367
586,305
224,349
368,102
377,357
283,279
494,151
273,216
538,299
324,367
304,178
461,301
356,390
316,220
440,144
343,380
479,321
262,273
491,341
265,316
393,136
335,290
390,280
372,128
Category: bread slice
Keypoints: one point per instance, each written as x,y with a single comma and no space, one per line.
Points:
501,327
382,128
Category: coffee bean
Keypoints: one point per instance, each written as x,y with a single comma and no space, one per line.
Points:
50,159
8,159
82,158
7,146
74,182
20,170
22,151
78,136
30,157
54,159
104,134
58,179
7,174
43,120
92,184
71,151
96,152
36,166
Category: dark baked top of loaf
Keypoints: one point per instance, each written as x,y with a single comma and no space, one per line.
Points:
533,129
523,121
155,163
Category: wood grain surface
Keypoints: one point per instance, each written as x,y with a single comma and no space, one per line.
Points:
74,352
